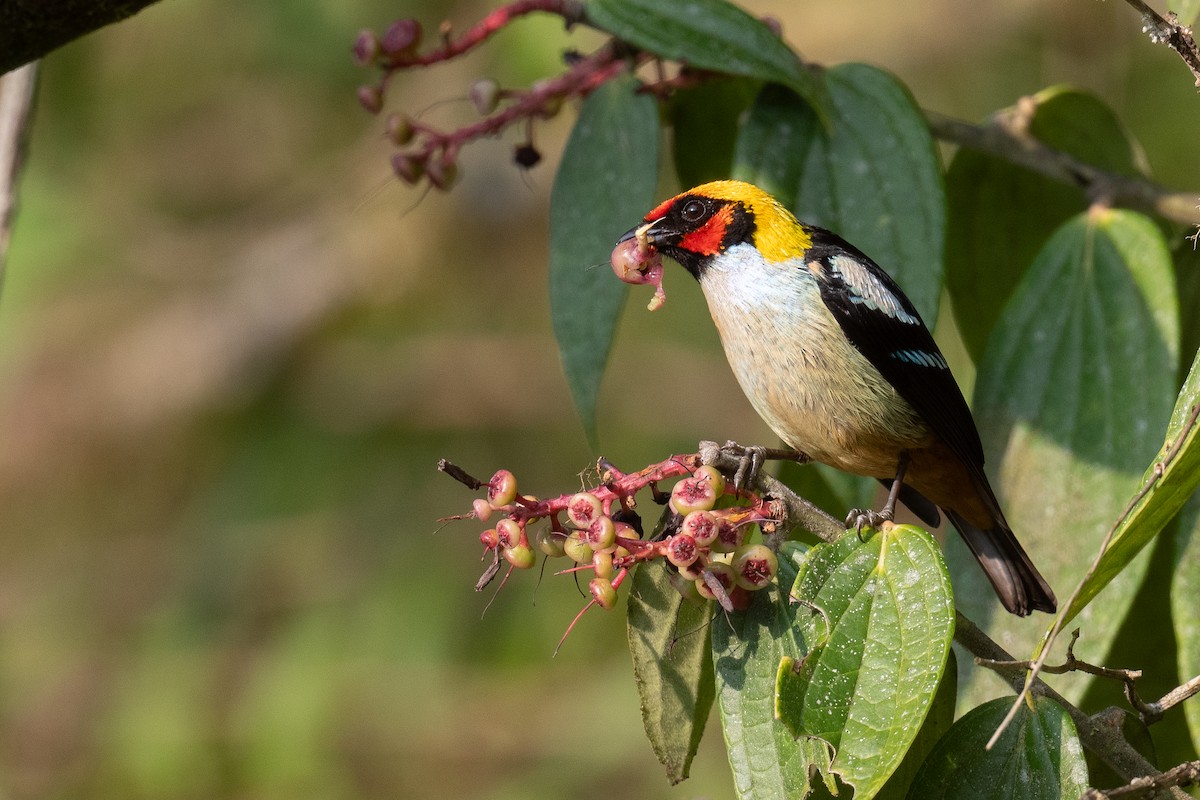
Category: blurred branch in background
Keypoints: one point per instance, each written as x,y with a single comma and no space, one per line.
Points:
31,30
1169,32
16,102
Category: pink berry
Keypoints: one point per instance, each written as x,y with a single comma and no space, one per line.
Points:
723,573
754,566
702,526
482,509
601,535
583,509
692,494
713,476
682,550
401,37
634,261
730,534
509,532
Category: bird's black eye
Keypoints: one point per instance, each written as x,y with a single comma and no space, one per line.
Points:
693,211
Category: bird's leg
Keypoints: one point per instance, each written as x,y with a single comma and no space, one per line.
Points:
859,518
751,458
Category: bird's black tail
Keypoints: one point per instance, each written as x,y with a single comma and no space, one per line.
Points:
1021,587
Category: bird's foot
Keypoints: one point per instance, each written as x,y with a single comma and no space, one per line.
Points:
860,518
750,461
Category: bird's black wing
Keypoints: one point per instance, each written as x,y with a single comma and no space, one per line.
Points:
883,325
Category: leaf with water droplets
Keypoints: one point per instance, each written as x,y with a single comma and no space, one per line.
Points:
875,619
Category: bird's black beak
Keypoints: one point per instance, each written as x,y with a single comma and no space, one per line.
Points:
644,233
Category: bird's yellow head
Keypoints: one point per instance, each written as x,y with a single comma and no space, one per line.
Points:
705,221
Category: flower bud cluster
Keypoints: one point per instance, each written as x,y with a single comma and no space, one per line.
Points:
598,531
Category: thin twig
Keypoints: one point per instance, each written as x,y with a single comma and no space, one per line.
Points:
1099,733
1169,32
1149,712
459,474
1186,774
1174,697
1007,137
16,103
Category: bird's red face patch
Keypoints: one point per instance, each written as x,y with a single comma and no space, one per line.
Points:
659,211
706,240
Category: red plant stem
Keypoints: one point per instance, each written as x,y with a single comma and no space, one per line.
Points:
483,30
580,80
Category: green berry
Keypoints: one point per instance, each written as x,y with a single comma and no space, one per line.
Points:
624,531
399,129
685,586
502,488
577,549
603,592
485,95
409,167
521,556
550,543
602,565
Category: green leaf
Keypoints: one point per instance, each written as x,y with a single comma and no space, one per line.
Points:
1072,396
707,34
1000,215
1168,483
1185,588
877,622
672,665
767,761
704,127
872,175
1187,282
937,722
609,166
1038,757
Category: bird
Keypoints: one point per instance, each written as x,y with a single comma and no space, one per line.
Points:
838,362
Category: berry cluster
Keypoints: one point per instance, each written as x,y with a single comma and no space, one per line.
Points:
599,530
427,154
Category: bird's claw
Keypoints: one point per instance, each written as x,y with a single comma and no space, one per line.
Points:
750,461
860,518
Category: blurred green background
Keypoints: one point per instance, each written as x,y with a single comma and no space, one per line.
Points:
232,349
